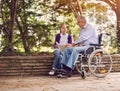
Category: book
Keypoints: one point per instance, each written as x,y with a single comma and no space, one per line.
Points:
61,47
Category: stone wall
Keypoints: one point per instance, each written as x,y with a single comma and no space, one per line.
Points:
36,65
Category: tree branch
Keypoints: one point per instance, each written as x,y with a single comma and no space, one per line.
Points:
111,3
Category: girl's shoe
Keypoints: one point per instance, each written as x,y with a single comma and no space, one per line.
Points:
52,72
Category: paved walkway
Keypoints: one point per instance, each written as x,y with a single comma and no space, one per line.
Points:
48,83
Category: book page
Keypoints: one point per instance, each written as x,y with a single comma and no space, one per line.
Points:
61,47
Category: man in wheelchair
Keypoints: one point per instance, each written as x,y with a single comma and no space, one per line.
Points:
86,37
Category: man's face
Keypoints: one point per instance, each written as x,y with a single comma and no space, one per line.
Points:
80,23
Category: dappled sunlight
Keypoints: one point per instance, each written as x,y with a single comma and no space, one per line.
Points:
46,49
37,23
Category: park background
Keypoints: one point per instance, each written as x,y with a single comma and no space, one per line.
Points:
27,30
28,27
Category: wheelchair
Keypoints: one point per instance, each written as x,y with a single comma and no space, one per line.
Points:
94,60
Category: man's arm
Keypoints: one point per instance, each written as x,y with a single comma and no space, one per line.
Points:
85,34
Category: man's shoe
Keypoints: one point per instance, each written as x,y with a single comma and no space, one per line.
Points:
59,75
69,74
62,75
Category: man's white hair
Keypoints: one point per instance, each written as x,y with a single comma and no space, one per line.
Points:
81,18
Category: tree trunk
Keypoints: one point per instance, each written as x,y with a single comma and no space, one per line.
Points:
25,32
24,39
12,20
8,49
118,24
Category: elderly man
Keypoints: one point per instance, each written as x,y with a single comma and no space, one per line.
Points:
86,37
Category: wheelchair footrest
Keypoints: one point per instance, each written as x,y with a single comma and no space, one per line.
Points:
84,65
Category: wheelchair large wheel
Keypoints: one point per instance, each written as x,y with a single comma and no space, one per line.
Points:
100,63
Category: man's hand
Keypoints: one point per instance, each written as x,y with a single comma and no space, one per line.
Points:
78,44
68,45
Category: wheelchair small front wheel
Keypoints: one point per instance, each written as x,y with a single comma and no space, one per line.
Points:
83,74
100,63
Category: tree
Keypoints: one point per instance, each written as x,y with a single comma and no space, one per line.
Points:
115,5
12,20
99,14
30,29
36,22
8,30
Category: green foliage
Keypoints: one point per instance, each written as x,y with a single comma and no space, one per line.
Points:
37,22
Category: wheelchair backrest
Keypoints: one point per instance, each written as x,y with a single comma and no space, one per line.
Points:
94,46
100,38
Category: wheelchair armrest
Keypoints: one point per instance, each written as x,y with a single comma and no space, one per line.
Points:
96,44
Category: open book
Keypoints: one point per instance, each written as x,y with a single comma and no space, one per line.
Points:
61,47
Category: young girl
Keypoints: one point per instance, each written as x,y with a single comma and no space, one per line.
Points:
62,38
